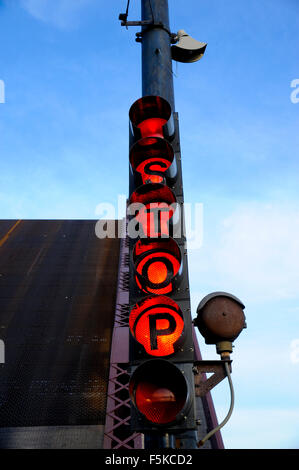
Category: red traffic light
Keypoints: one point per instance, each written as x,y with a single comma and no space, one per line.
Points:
153,159
162,388
159,391
157,323
158,265
158,207
151,116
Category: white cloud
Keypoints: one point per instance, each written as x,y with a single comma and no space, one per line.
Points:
61,13
254,250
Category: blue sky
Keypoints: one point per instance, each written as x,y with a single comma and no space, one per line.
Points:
72,72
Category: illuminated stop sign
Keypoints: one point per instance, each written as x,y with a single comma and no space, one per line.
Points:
161,338
157,323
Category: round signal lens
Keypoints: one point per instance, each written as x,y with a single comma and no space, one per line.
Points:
159,391
158,265
151,157
157,206
150,114
157,324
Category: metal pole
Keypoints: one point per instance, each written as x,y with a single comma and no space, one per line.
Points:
157,77
159,441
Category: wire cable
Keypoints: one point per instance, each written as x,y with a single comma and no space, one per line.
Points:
232,402
126,15
127,10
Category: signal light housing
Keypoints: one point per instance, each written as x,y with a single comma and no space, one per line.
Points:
152,161
159,327
158,207
158,265
160,394
151,116
161,342
157,323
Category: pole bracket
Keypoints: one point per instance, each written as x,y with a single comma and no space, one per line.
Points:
150,24
124,16
204,385
135,23
156,24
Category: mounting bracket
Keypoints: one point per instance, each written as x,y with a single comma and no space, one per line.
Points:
203,385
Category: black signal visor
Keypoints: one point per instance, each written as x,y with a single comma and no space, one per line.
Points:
158,265
151,116
159,391
152,160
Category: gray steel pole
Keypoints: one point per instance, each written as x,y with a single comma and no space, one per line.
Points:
157,78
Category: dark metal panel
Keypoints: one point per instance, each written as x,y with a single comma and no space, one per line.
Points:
57,301
6,226
52,437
